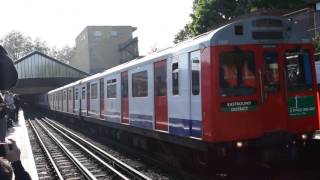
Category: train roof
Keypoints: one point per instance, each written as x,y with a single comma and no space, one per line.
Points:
250,30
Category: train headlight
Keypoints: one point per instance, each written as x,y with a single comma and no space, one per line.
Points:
304,136
239,144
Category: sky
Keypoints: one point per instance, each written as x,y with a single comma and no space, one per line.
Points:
58,22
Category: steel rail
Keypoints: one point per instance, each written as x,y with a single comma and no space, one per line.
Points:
43,147
119,174
133,172
82,169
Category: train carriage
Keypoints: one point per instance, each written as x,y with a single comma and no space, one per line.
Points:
250,81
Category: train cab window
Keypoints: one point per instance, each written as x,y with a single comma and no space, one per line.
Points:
237,73
112,88
94,91
195,68
140,84
271,74
175,78
83,93
298,70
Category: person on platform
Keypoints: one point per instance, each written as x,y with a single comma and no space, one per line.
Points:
12,155
3,119
9,101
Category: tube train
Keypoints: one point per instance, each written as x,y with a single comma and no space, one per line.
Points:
251,81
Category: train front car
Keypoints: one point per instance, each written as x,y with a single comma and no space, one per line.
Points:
263,87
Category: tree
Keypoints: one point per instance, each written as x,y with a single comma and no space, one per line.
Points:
64,54
316,43
209,13
18,45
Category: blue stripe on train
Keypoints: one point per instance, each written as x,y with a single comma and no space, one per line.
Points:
141,120
185,127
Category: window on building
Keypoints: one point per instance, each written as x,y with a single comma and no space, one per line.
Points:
140,84
94,91
112,88
175,78
114,33
97,33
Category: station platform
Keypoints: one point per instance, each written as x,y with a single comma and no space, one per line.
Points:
19,133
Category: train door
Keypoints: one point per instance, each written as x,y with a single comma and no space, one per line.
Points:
301,92
238,113
195,97
124,98
272,90
160,95
101,85
88,98
83,102
73,99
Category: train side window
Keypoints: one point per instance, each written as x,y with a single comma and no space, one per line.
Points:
271,75
94,91
298,70
195,68
77,94
140,84
69,95
83,93
161,81
175,78
237,73
112,88
124,86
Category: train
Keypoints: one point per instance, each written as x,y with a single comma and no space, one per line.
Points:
250,82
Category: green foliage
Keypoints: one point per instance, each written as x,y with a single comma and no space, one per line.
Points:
316,43
209,13
18,45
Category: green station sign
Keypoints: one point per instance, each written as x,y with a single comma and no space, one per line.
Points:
238,106
301,106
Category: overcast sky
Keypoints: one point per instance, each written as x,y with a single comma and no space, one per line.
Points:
58,22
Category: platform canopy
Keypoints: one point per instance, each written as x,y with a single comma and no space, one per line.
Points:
40,73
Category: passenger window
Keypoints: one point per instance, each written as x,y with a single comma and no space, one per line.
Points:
69,94
124,86
175,78
140,84
161,81
237,73
195,68
271,75
112,88
298,70
83,93
77,95
94,91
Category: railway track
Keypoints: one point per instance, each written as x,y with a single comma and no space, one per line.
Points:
71,157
